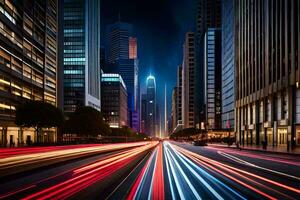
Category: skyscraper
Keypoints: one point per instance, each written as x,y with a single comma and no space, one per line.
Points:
228,64
188,81
114,100
28,63
123,59
117,41
151,107
212,78
208,16
81,56
267,98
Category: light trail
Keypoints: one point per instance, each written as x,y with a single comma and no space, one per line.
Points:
241,161
258,156
230,172
154,189
20,160
204,179
89,175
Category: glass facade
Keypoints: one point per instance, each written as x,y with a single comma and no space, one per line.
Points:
228,64
212,72
28,60
81,54
151,114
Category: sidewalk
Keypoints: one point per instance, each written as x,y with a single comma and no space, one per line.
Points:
277,150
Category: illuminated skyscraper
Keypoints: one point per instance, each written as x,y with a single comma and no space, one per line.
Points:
81,56
122,59
28,63
132,48
151,117
228,65
212,78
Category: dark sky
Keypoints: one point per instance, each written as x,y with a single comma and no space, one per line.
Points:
160,26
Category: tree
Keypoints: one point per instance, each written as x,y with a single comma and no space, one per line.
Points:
86,121
38,115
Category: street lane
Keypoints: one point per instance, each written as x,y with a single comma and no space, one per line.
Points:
15,161
67,180
253,175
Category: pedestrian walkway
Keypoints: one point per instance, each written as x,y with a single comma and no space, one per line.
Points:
282,150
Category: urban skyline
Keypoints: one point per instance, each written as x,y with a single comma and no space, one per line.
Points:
172,99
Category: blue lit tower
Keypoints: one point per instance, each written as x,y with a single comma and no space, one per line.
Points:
150,122
122,58
81,54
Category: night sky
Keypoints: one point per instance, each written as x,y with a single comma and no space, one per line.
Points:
160,26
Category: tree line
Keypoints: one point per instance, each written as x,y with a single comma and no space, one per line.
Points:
84,122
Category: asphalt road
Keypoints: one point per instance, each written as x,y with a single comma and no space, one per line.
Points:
165,170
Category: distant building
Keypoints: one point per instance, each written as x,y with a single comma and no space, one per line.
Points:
143,112
28,64
114,100
174,115
228,66
122,59
267,75
188,81
81,54
212,73
151,107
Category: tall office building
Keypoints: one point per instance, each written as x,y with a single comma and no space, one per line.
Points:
28,63
151,107
212,78
81,56
114,100
228,64
267,72
208,16
117,41
122,58
188,81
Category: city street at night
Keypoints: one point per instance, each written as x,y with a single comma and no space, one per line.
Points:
149,99
164,170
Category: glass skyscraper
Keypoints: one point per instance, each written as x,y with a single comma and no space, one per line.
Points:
212,76
81,54
151,108
122,58
228,64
